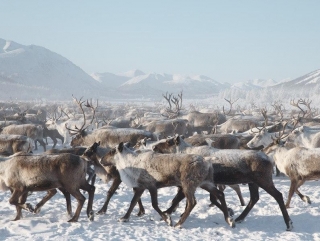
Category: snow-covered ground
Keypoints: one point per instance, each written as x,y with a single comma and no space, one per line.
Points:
264,222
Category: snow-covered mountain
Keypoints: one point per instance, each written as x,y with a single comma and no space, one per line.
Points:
254,84
36,72
138,84
31,72
305,82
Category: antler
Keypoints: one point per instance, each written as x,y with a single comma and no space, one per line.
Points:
282,132
296,104
230,103
177,101
168,98
89,105
80,103
279,108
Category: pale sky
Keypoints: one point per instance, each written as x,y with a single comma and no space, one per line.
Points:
229,41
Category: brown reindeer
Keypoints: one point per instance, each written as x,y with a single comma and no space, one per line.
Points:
22,173
233,167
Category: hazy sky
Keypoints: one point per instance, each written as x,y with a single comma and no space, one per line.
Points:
225,40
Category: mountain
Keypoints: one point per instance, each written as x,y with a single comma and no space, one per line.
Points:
132,73
157,84
254,84
306,82
32,72
36,72
109,80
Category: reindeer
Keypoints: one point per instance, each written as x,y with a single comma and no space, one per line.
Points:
235,125
22,173
53,134
263,139
304,137
94,154
10,144
165,128
300,164
234,167
203,122
220,141
55,123
149,170
35,132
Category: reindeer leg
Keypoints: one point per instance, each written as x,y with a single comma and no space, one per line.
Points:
154,199
214,202
191,203
304,198
90,189
114,186
175,202
141,208
271,189
81,199
137,194
42,144
35,145
237,189
254,197
50,194
278,173
214,194
54,142
293,188
68,200
14,200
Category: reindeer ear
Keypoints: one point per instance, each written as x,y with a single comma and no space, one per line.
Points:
120,147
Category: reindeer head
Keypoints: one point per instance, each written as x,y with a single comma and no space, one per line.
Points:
167,146
108,159
90,151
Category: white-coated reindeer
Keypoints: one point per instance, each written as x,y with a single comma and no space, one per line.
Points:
300,164
149,170
63,126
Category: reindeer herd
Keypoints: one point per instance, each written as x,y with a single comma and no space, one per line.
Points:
148,148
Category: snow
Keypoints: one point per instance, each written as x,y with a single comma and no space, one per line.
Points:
312,78
264,222
254,84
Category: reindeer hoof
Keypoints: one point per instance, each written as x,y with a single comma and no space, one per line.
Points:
16,219
231,223
101,212
306,199
72,220
178,226
290,226
168,219
123,219
239,220
91,216
140,213
29,207
37,210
